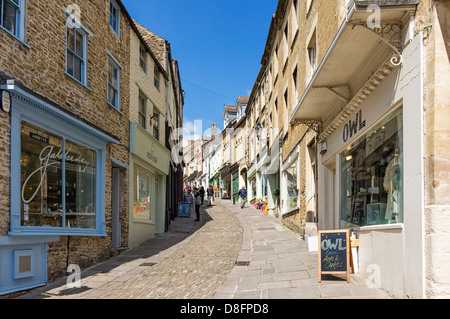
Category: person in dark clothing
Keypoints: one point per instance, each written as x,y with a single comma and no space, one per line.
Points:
198,202
202,193
242,196
210,194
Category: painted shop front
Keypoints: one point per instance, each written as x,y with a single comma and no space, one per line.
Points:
370,161
57,185
149,168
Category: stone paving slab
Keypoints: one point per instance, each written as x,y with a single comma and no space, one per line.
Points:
281,267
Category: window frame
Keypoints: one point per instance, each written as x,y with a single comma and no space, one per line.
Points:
19,33
142,98
29,109
287,204
137,168
143,58
312,54
83,75
66,161
113,5
113,62
156,80
347,187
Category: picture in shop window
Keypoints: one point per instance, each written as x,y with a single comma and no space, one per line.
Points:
372,181
58,188
141,205
292,190
253,187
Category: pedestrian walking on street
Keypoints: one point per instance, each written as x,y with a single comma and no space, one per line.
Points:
210,194
198,202
242,196
202,193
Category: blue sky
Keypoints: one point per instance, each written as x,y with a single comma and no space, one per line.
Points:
218,44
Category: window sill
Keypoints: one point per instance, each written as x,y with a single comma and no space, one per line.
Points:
80,83
115,109
15,37
45,231
292,210
379,227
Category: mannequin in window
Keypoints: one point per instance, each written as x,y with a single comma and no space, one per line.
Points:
391,183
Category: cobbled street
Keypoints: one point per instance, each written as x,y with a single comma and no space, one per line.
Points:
232,253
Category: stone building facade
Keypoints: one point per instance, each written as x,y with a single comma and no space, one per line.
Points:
281,151
352,90
65,69
149,158
375,101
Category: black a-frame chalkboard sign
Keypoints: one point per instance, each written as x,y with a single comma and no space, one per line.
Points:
334,252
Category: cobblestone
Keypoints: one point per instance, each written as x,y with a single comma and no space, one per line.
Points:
192,261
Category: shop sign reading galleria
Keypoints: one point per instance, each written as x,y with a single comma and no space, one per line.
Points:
353,127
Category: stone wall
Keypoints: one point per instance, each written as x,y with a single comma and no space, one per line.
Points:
319,22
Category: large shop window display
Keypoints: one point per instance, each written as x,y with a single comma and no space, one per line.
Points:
372,176
58,181
141,196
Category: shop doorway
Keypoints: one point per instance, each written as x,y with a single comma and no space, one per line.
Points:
115,206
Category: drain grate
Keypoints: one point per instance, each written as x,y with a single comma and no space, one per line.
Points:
242,263
147,264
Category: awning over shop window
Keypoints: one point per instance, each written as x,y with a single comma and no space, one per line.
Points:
357,61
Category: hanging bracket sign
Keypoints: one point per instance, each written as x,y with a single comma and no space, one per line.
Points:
334,253
5,97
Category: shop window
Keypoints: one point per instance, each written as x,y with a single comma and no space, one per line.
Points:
292,186
254,187
372,176
58,181
142,192
310,193
264,185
